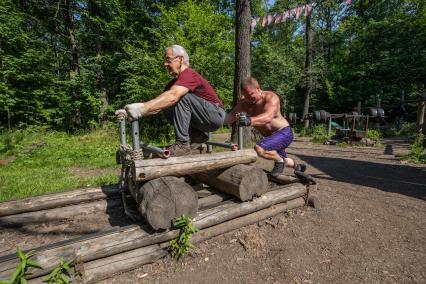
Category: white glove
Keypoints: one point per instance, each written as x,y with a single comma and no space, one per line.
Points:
121,112
135,111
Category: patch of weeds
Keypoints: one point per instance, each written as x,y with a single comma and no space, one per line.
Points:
60,274
408,129
374,136
418,151
319,134
289,213
182,244
21,270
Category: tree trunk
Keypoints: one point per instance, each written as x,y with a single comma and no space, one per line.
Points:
421,111
164,199
242,59
100,82
74,70
308,67
242,181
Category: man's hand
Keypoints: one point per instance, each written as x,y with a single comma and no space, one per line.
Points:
135,111
244,119
121,114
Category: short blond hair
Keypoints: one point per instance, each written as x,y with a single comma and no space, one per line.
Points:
249,82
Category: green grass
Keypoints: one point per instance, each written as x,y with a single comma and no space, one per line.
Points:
47,168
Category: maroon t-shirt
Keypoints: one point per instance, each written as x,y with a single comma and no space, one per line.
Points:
196,84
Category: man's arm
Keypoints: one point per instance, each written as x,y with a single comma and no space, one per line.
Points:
231,117
271,106
165,100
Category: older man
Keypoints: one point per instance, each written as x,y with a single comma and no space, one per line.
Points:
262,111
189,103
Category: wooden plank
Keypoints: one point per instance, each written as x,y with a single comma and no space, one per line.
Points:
53,200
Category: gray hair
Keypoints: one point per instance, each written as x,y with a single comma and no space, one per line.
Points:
180,51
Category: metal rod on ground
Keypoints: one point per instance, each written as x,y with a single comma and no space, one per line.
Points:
240,138
135,135
221,144
209,147
155,150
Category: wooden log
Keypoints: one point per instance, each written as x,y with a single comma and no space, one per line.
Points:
242,181
104,268
128,238
246,220
166,198
58,213
283,179
97,270
143,170
53,200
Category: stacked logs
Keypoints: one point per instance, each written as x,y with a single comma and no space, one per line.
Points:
159,188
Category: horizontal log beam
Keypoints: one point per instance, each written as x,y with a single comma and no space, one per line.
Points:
53,200
61,213
93,248
143,170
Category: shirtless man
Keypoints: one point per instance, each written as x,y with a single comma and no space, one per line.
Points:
261,109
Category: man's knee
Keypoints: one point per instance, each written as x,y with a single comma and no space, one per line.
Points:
259,150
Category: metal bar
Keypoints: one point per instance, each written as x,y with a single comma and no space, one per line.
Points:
209,147
155,150
240,138
221,144
122,126
135,135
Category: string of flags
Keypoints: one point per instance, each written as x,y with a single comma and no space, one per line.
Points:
282,17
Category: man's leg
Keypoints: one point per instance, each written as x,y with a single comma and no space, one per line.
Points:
193,115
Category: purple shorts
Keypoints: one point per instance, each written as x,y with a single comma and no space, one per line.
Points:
277,141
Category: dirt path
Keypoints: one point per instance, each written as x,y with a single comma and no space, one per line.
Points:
370,228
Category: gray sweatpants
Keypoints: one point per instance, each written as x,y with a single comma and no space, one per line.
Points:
193,115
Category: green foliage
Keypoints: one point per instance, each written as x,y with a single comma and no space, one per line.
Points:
21,270
418,150
182,244
60,274
318,133
374,135
408,129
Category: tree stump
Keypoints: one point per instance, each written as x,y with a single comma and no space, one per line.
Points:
166,198
242,181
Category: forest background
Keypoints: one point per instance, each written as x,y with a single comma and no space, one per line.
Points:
68,64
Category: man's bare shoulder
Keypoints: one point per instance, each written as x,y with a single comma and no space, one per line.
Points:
271,96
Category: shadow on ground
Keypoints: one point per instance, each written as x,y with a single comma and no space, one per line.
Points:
402,179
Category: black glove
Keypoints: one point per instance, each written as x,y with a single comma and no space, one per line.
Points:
244,120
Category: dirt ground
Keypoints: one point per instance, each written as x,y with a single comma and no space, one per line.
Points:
369,227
